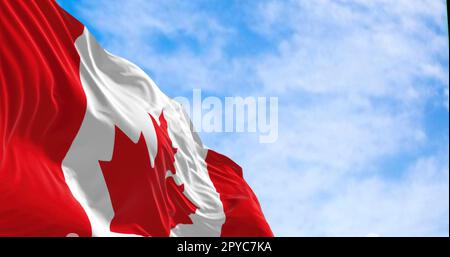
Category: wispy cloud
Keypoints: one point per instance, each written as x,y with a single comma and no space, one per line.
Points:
363,93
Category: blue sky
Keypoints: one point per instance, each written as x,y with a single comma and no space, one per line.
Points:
363,93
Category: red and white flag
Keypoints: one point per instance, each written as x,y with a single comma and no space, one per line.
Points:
89,145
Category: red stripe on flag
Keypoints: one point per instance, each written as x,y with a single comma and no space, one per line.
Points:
42,106
243,214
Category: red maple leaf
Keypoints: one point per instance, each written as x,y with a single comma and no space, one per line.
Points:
144,201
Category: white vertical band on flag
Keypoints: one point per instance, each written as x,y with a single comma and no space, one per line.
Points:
121,94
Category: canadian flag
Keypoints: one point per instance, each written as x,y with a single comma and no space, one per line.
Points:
89,145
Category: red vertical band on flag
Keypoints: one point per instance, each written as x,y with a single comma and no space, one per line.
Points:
243,214
42,105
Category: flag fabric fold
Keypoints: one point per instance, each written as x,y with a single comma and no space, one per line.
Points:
90,146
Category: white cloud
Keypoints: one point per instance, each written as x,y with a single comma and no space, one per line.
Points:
373,49
416,205
353,80
342,136
316,199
